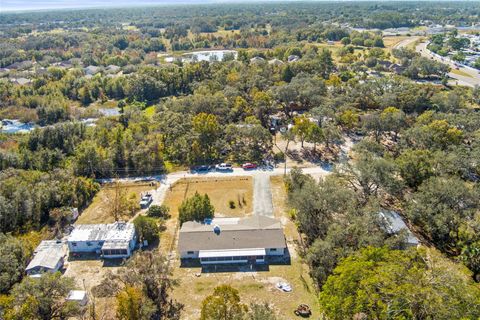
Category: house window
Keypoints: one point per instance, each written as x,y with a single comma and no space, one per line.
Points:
273,249
89,244
74,244
190,252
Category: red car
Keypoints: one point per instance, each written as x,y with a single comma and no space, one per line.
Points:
249,165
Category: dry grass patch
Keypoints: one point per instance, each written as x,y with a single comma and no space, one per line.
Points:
460,73
253,287
220,191
87,274
392,41
97,211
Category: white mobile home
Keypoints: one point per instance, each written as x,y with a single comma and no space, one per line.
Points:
232,240
115,240
48,257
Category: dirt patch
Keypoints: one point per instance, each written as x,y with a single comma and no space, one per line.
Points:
88,274
392,41
255,287
97,211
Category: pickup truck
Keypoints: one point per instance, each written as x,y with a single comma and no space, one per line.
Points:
146,201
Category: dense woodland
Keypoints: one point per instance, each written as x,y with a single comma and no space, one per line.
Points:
418,151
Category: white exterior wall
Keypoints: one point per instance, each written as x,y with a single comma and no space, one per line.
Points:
83,247
40,270
269,252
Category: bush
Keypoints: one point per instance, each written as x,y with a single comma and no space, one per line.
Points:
279,157
196,208
146,228
231,204
161,211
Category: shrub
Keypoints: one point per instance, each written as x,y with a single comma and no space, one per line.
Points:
196,208
161,211
146,228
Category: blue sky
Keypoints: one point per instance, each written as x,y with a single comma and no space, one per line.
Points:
17,5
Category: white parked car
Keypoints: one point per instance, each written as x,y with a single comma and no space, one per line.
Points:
224,167
146,201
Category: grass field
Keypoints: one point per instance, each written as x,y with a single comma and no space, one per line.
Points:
460,73
97,211
391,41
220,191
256,287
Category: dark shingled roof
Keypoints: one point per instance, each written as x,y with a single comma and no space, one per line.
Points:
247,233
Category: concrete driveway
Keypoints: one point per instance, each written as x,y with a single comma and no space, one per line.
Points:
262,195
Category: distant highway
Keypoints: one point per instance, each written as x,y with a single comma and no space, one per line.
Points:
469,77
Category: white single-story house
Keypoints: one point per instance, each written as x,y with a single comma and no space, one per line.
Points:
232,240
48,257
115,240
395,224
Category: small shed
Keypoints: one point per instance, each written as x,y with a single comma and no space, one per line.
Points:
78,296
395,224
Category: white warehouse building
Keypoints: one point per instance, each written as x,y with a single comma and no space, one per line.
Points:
115,240
232,240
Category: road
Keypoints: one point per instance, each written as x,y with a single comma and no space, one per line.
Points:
469,77
262,195
405,42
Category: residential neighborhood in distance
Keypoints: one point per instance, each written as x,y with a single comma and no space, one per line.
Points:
218,160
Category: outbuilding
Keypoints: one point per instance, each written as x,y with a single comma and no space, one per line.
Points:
48,257
78,296
395,224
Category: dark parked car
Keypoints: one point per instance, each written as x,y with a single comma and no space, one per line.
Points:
201,168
